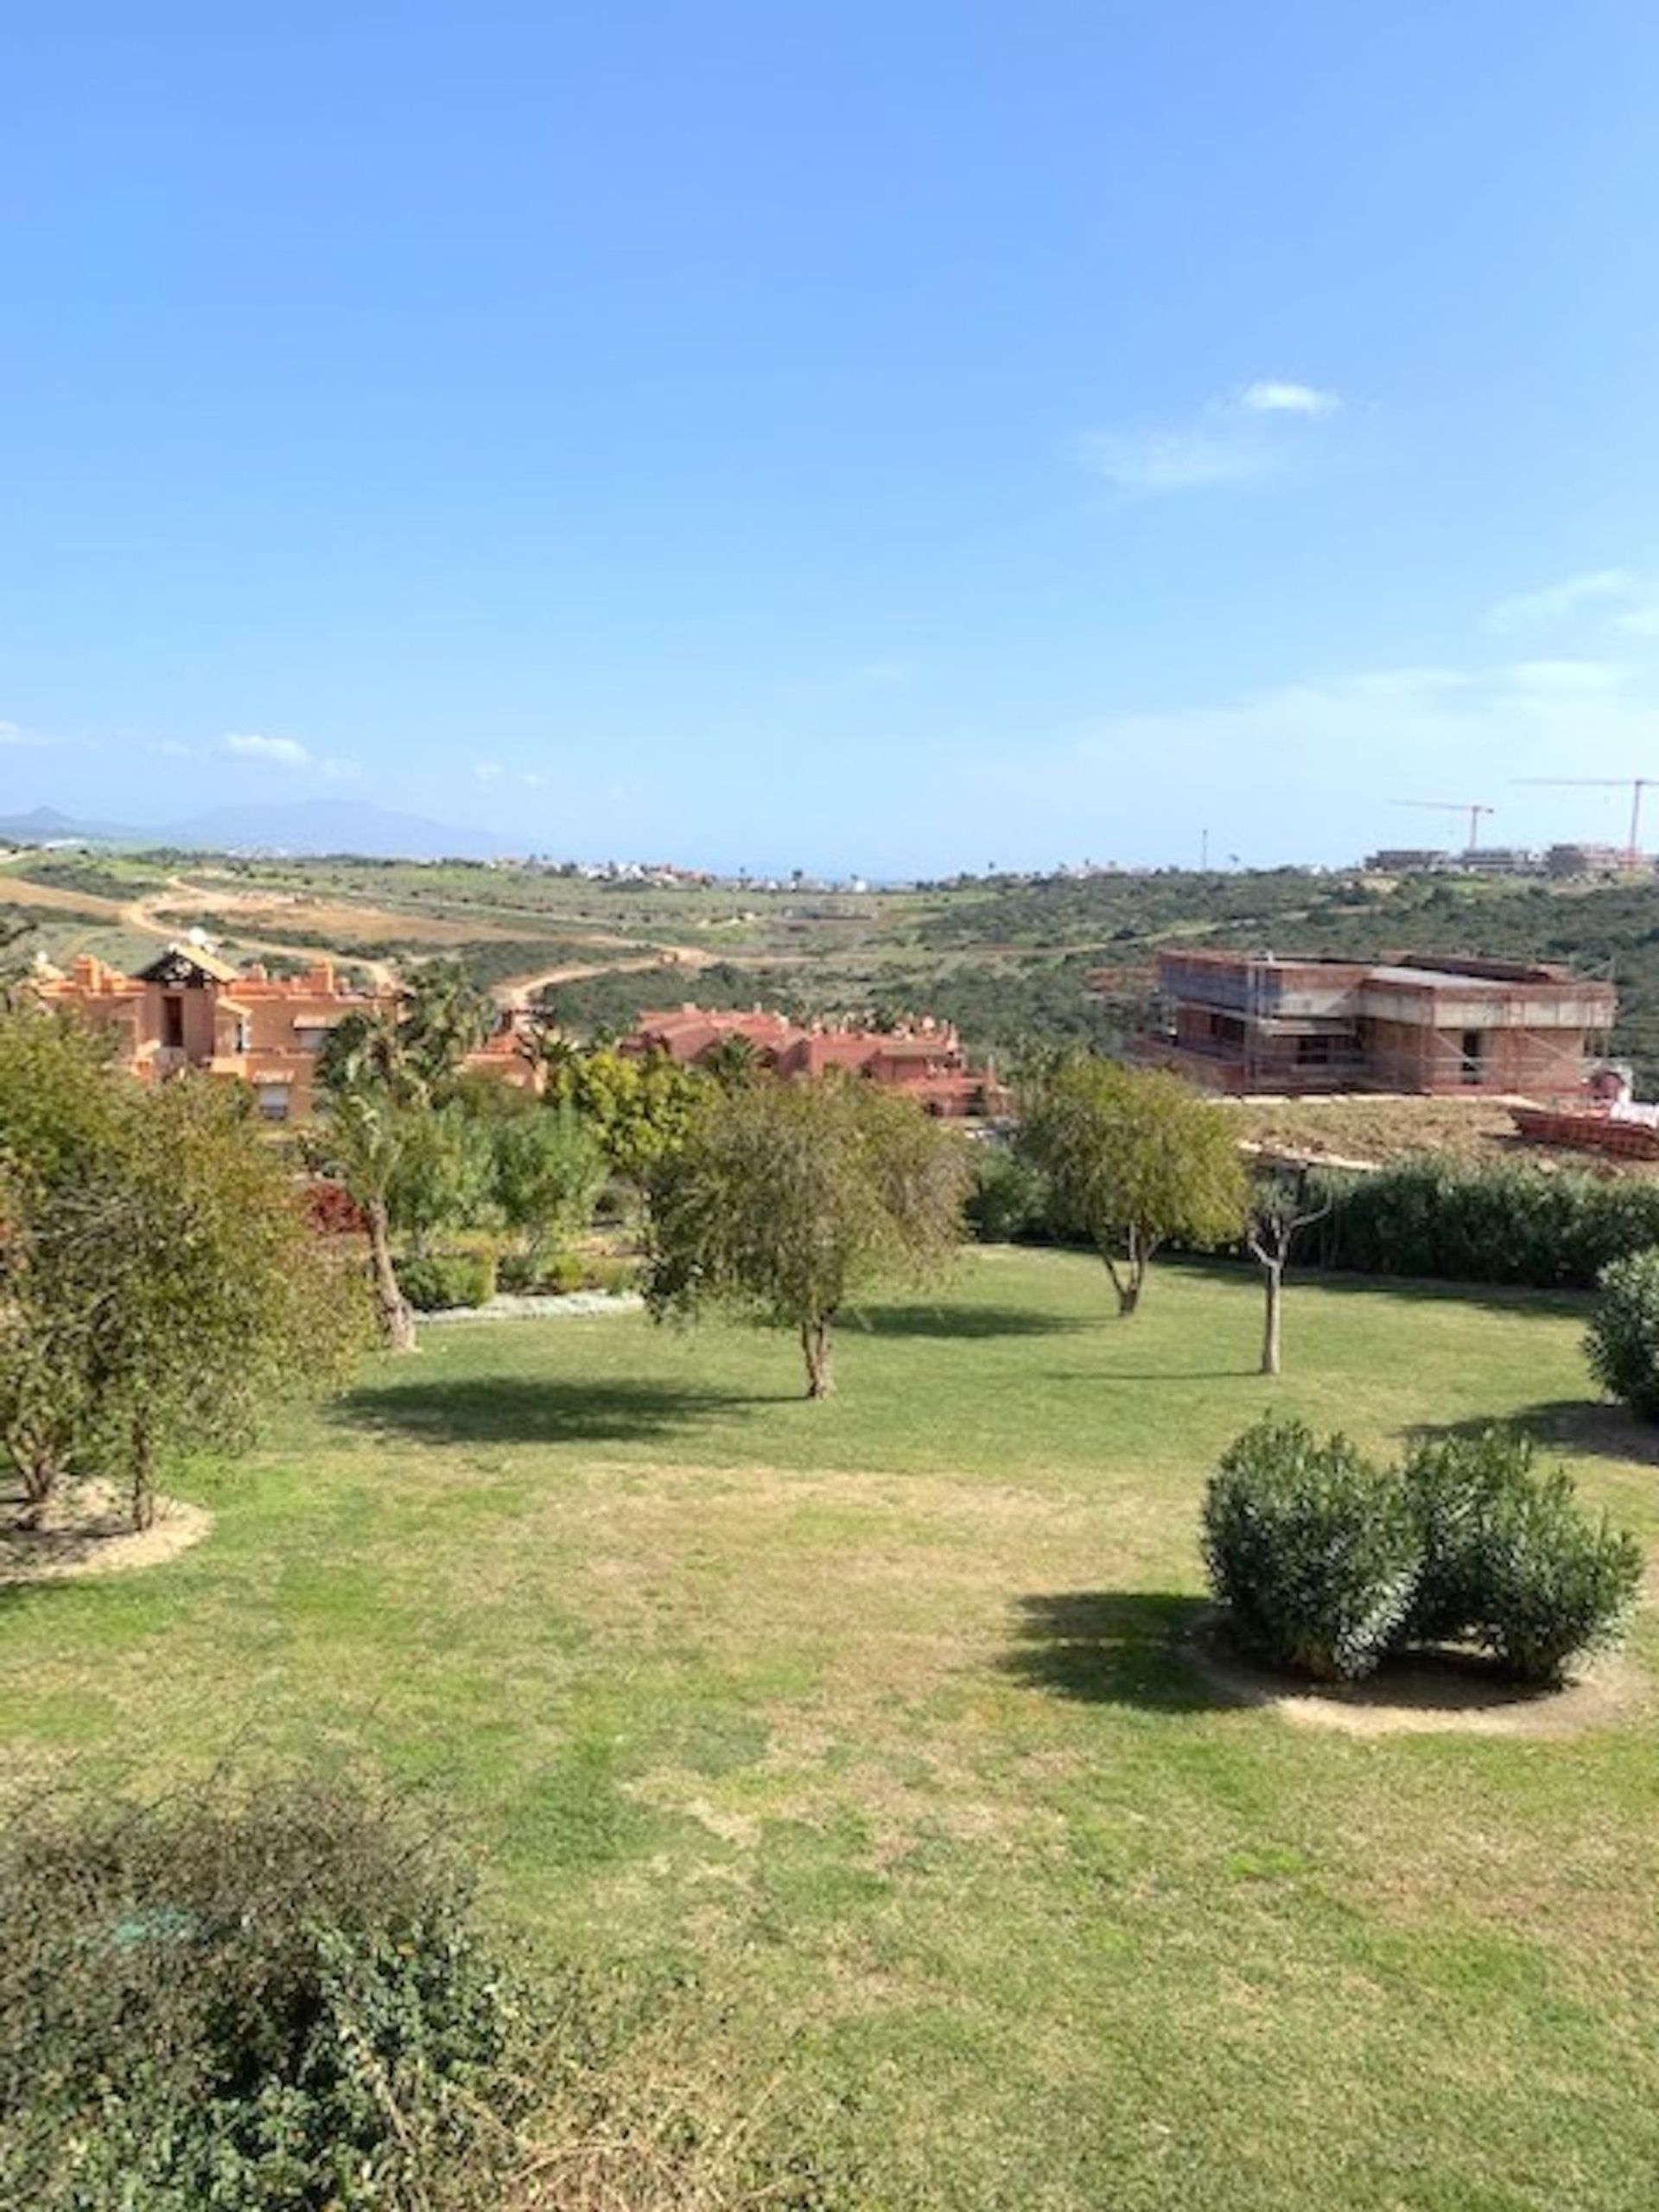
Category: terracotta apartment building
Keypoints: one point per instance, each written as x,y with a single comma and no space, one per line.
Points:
191,1009
923,1058
1261,1022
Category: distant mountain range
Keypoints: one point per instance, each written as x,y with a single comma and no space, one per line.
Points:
309,826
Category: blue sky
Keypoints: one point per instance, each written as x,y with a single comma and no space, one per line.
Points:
892,437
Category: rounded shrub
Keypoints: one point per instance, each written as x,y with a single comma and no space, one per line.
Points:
1460,1489
1556,1587
1328,1564
277,2003
1623,1341
1313,1550
439,1280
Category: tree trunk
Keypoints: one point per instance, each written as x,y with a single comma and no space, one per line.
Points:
143,1479
1129,1280
40,1468
391,1310
1274,1278
814,1344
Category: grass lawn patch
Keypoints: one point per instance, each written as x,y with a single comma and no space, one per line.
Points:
872,1722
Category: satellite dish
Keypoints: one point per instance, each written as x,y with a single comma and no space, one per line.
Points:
199,937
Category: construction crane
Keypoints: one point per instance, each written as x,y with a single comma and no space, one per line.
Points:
1453,806
1635,784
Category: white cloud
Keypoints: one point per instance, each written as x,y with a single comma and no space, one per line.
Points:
173,748
1271,398
1557,603
284,753
488,772
15,733
1234,440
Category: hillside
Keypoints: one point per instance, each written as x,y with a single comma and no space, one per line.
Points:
1060,960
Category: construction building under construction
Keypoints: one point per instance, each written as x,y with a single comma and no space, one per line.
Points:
1257,1022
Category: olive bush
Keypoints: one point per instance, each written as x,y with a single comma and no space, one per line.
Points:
1623,1342
1328,1563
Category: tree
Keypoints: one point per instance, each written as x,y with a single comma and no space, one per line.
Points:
62,1105
1135,1161
443,1018
1279,1209
380,1071
160,1283
442,1175
548,1171
640,1105
788,1200
731,1060
360,1143
208,1298
415,1047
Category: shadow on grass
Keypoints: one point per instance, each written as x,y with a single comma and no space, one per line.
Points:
1153,1374
507,1410
1584,1425
1113,1647
965,1322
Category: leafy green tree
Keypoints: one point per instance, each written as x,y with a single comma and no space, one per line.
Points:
443,1175
1135,1160
787,1200
62,1107
549,1170
207,1300
640,1105
159,1285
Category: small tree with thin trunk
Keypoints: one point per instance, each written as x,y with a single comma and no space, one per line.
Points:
788,1200
361,1144
1135,1161
1281,1208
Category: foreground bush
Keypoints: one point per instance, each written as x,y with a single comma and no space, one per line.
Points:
273,2005
1327,1564
1314,1551
1623,1340
439,1280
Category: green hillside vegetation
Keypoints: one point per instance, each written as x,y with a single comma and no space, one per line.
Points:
1060,959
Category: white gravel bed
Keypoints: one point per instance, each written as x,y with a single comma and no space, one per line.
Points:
508,1306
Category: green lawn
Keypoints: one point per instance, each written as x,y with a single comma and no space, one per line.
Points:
874,1715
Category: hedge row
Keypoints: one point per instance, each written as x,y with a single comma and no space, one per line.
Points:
1497,1221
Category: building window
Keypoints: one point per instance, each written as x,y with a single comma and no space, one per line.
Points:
1473,1053
1313,1052
172,1024
272,1100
